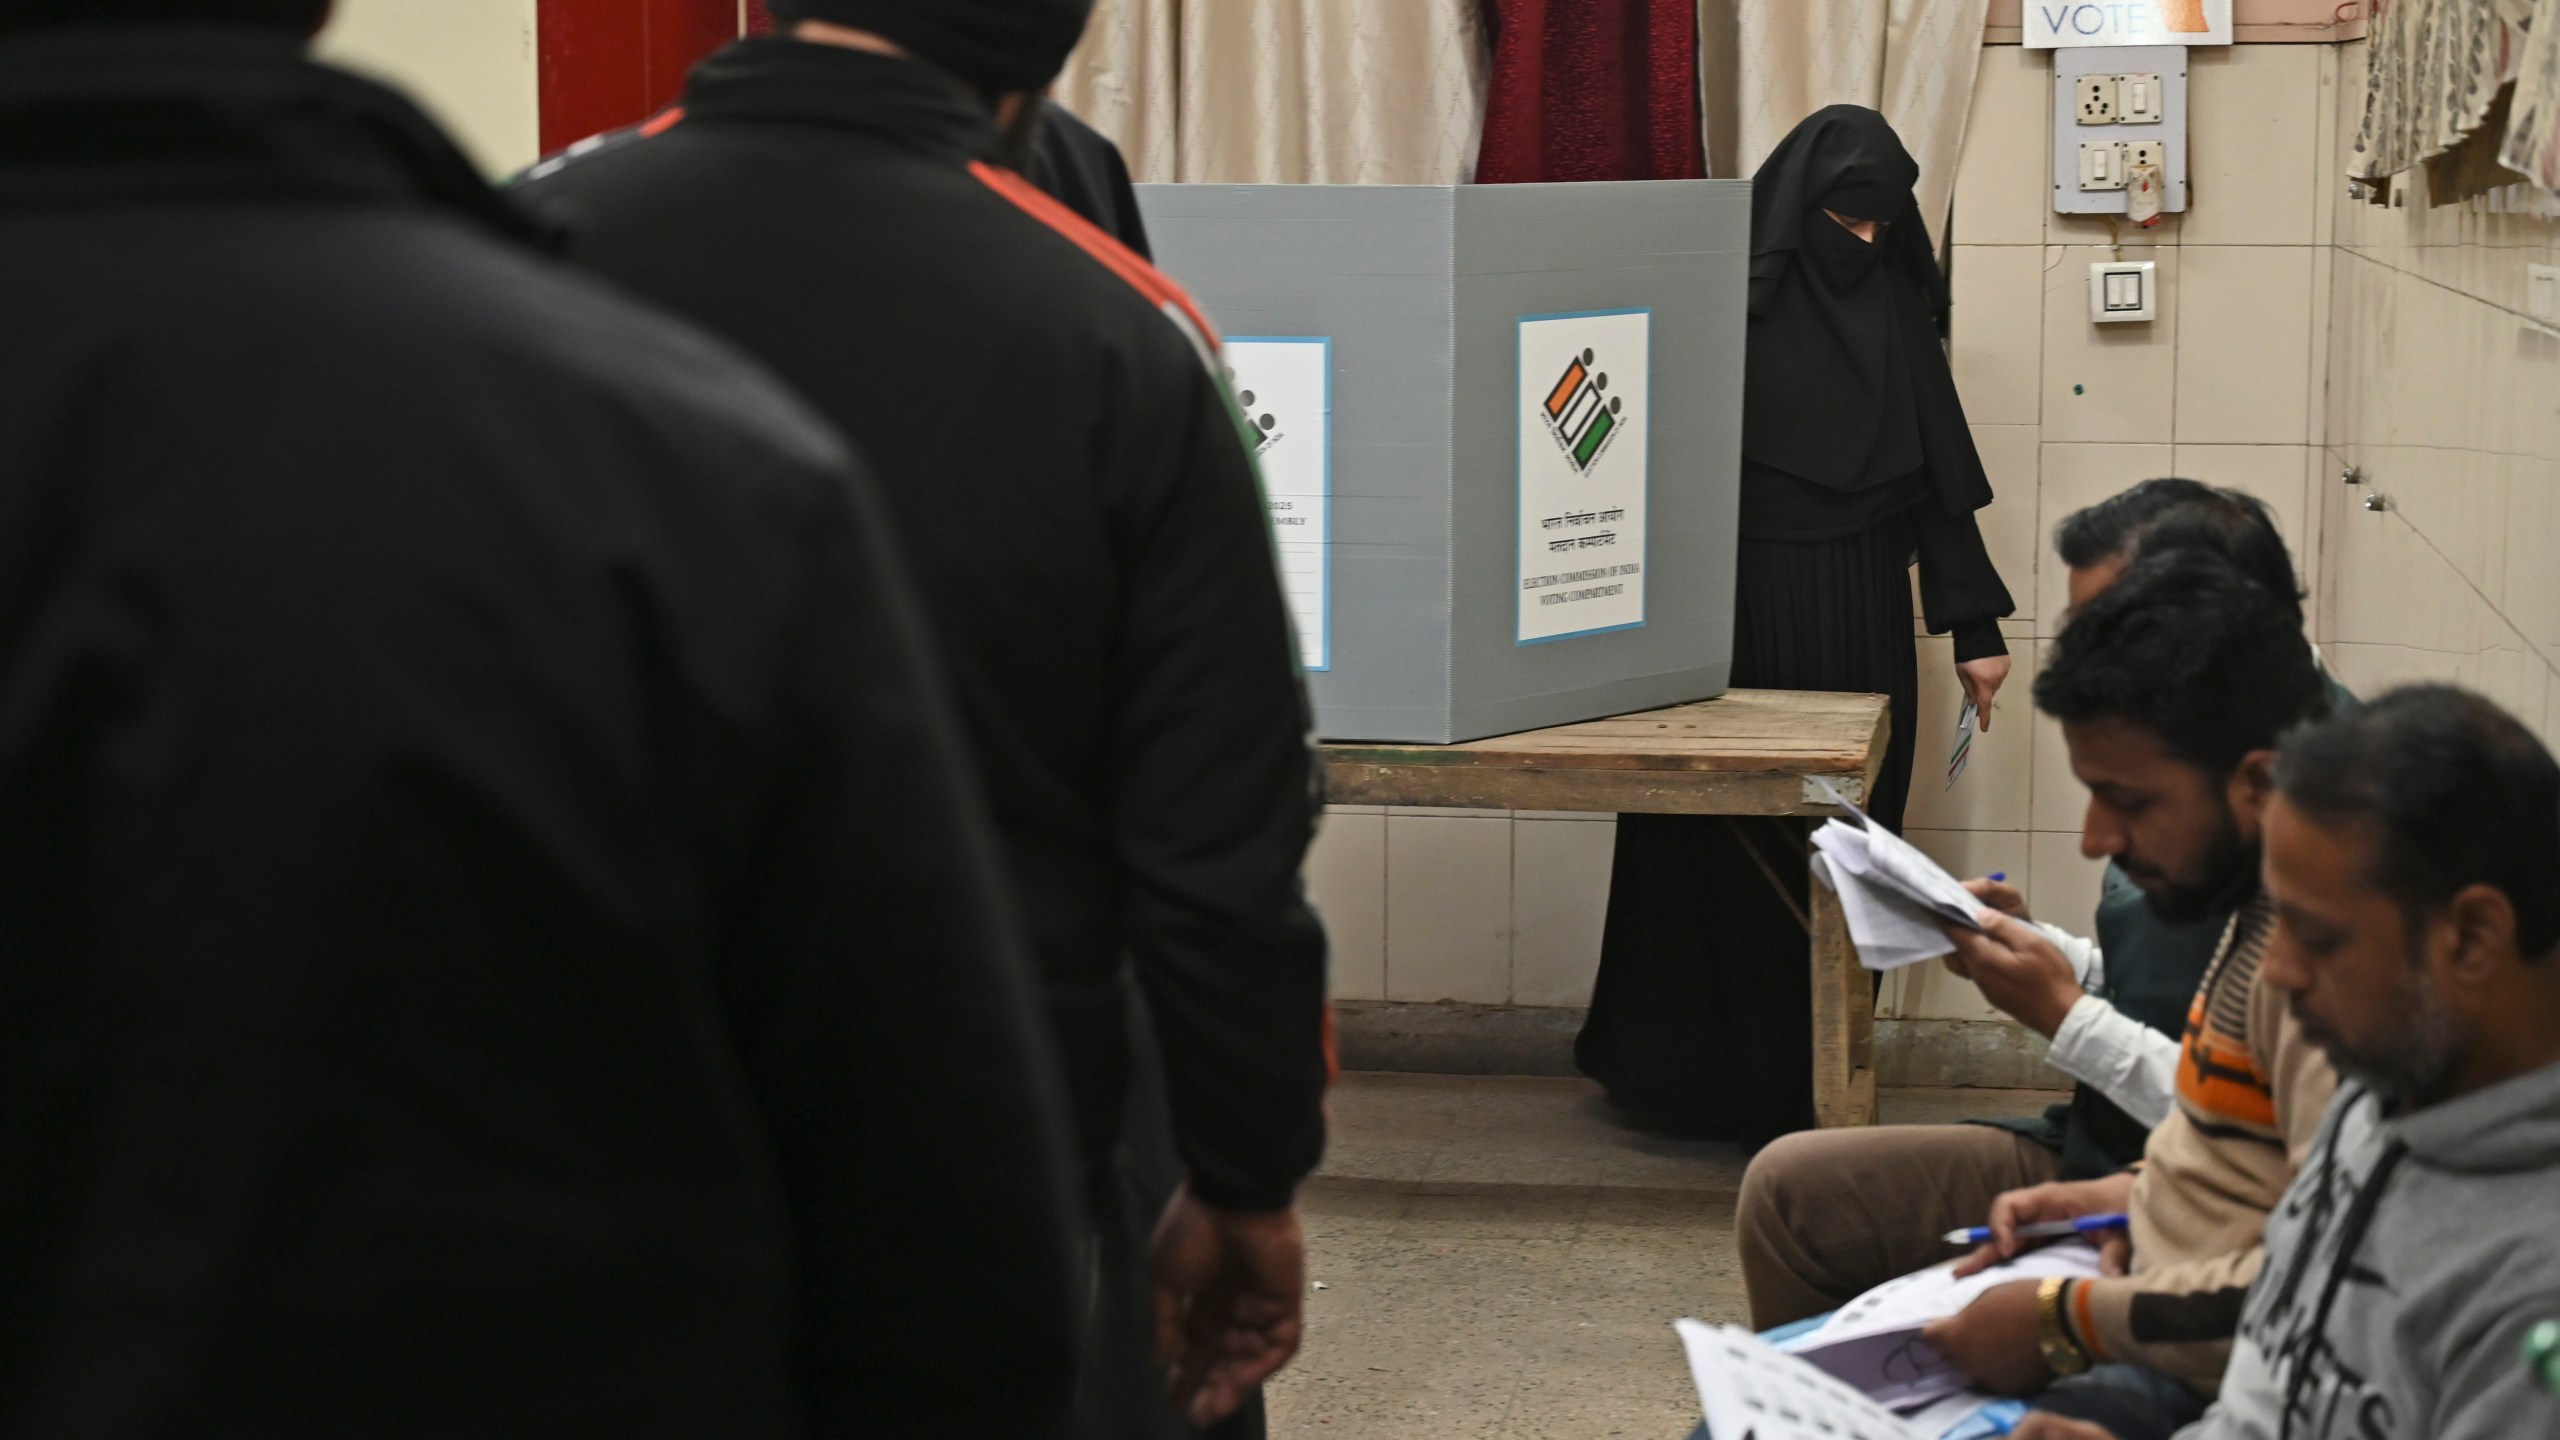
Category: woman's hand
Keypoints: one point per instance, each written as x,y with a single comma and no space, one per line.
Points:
1981,680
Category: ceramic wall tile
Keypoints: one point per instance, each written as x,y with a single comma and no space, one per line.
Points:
1346,875
1997,331
2011,457
2276,474
1992,793
2244,351
2108,383
1448,908
2072,477
2065,884
2253,126
2004,180
2059,800
1559,897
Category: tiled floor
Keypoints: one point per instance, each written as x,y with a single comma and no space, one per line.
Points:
1500,1258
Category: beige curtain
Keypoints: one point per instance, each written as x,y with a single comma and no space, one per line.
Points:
1340,92
1915,60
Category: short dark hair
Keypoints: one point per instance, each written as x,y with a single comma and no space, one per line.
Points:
2192,650
2175,514
300,16
2459,791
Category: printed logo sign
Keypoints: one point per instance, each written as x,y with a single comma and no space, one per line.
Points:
1283,387
1580,413
2067,24
1584,387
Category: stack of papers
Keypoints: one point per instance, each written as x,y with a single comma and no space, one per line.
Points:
1864,1371
1752,1391
1873,1344
1893,897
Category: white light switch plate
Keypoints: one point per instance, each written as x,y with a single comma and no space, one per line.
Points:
2140,100
2123,290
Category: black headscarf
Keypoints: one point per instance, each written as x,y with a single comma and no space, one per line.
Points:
1846,382
999,46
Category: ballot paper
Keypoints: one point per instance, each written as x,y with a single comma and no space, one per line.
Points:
1752,1391
1963,754
1893,897
1873,1344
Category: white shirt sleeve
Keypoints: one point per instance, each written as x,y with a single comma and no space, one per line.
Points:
2128,1061
2088,962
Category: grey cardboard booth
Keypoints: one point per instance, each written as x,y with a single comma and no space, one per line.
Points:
1501,429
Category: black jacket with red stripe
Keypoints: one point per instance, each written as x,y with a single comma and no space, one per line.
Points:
483,864
1075,498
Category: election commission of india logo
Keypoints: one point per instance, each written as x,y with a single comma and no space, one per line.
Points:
1581,413
1262,422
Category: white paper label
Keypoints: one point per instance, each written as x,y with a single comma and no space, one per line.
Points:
1584,432
2070,24
1284,386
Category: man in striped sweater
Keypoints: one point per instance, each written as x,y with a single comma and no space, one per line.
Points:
2172,688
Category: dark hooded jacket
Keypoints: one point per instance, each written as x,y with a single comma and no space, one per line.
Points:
1074,493
496,938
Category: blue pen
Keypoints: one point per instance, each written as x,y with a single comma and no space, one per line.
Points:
2043,1230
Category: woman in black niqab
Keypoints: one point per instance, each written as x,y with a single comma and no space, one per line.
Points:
1857,461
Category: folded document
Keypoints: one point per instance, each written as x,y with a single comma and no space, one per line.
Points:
1893,897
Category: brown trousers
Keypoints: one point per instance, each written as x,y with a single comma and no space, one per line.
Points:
1827,1215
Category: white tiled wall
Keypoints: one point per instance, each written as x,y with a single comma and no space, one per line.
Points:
2447,397
471,63
2226,386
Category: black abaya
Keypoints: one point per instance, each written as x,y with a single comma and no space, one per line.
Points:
1857,460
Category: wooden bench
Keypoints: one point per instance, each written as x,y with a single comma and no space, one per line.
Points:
1747,752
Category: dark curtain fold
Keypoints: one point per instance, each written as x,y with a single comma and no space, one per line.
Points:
1592,90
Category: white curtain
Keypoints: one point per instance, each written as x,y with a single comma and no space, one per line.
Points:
1338,92
1915,60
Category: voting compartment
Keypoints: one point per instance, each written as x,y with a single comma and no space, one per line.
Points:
1499,427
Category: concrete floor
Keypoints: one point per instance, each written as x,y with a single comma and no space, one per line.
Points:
1500,1259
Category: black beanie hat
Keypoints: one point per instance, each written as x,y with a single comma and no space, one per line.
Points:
997,45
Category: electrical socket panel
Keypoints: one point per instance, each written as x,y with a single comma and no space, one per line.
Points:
2101,165
2139,93
2094,99
2140,100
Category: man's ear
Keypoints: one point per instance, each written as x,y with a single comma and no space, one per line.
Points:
2483,922
2251,786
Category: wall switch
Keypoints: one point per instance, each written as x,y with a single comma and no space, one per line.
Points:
2140,100
2101,165
2094,99
2121,290
2542,293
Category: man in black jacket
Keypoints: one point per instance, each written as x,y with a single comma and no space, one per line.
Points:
496,933
1073,491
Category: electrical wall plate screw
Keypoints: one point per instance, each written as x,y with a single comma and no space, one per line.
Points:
2377,502
2350,476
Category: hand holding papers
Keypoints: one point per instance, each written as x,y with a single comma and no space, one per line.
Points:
1894,898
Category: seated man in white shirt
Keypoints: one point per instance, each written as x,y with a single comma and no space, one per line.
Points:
2113,1007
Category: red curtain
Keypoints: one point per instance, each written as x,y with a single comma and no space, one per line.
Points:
1593,90
610,63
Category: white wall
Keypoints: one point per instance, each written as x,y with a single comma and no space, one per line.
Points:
471,63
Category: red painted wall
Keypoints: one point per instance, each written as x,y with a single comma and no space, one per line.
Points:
610,63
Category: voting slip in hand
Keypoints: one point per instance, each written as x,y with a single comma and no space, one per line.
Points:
1894,898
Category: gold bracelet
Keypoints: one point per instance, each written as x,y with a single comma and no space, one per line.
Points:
2062,1354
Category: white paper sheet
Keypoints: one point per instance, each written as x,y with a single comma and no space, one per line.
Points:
1585,402
1893,897
1748,1389
1873,1343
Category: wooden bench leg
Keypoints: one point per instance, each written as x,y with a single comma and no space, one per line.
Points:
1844,1021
